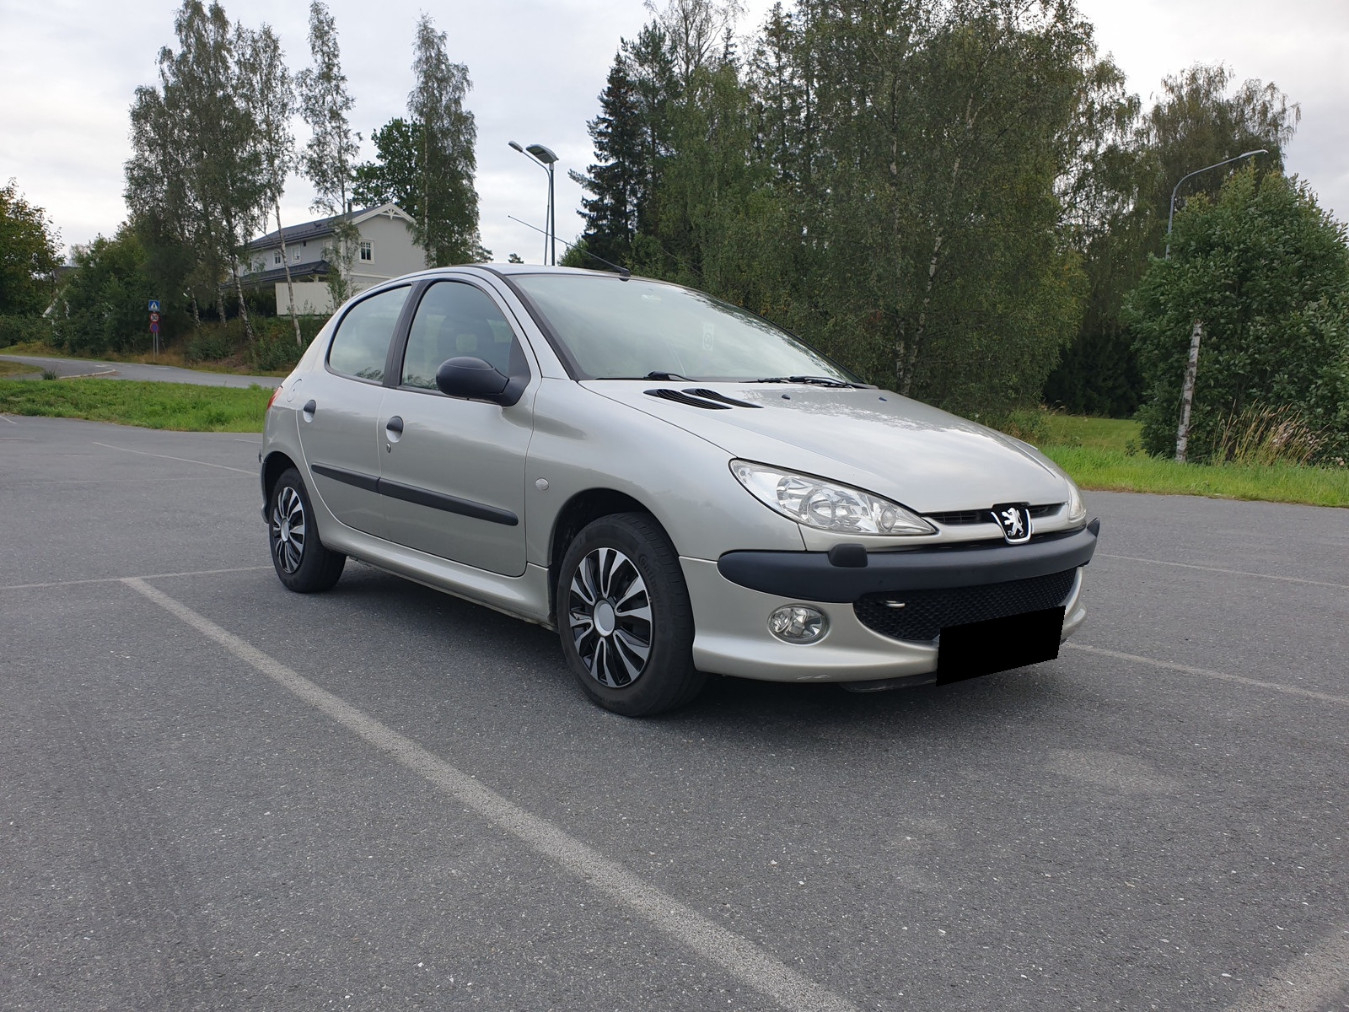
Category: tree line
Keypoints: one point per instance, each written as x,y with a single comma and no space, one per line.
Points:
213,148
959,199
953,197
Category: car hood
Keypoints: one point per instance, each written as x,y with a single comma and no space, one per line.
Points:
927,459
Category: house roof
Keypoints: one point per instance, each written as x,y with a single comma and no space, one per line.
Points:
325,226
298,272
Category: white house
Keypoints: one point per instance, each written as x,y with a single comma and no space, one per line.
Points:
384,249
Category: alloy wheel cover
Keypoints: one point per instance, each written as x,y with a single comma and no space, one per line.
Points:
609,616
288,530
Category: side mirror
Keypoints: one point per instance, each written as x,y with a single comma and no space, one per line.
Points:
477,380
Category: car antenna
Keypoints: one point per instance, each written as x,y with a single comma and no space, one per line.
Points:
623,272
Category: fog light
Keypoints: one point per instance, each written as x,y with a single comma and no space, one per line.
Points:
795,623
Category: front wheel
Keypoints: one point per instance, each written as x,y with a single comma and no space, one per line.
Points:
301,561
625,619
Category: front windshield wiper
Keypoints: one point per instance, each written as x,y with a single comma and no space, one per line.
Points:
666,376
818,381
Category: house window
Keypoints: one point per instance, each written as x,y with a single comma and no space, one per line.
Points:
276,257
295,257
367,251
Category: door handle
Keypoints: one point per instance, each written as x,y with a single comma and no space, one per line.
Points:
393,432
308,410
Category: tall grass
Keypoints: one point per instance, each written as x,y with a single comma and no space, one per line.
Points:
1264,435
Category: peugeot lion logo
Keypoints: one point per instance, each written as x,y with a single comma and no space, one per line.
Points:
1015,522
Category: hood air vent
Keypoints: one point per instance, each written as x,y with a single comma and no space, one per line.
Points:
700,397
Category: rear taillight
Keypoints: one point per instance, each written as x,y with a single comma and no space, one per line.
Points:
272,399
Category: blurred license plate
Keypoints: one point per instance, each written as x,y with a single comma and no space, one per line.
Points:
980,648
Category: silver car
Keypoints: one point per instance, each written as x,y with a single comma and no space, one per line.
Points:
674,484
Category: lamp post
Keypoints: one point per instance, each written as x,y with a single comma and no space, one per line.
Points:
1171,214
1192,363
546,159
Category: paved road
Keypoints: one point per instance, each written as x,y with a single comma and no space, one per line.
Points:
217,794
70,367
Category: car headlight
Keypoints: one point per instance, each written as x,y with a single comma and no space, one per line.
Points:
1077,508
827,505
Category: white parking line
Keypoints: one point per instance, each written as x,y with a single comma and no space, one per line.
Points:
1290,690
1225,572
184,460
123,579
1311,983
710,940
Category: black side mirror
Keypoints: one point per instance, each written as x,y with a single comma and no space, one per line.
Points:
477,380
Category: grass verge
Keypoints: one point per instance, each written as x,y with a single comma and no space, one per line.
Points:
179,406
1113,471
1102,454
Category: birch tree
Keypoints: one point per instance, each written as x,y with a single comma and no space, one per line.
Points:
195,171
328,158
268,92
447,226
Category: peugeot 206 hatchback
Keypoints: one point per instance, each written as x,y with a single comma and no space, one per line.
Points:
674,484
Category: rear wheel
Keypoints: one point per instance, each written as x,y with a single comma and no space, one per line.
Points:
625,619
301,561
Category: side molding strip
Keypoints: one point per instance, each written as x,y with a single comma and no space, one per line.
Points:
418,496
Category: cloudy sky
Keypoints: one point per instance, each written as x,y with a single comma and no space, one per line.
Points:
537,68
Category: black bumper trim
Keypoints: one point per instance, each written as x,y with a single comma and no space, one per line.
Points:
810,576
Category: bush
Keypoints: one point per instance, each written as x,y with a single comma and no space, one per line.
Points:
24,330
1267,272
213,344
269,353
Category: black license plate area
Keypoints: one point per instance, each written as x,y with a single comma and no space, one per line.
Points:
998,644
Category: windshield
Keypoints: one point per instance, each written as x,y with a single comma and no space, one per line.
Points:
634,329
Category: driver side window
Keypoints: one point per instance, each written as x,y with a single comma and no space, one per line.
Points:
456,320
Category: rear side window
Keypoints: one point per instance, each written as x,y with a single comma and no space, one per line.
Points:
362,340
456,320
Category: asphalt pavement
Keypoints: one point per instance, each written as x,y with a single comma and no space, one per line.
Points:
218,794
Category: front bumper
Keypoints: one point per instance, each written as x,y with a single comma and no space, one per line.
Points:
733,597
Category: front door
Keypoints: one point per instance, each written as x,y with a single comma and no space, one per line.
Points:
453,471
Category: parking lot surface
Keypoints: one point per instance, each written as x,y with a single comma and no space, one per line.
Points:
218,794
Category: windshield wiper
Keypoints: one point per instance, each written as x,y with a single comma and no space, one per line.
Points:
818,381
666,376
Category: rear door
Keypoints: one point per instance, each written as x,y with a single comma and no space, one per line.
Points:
339,420
452,472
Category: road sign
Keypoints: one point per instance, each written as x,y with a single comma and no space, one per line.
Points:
154,305
154,317
154,326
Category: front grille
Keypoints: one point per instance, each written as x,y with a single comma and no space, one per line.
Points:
964,518
927,612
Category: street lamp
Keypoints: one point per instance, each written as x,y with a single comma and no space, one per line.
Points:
1172,213
545,159
1197,333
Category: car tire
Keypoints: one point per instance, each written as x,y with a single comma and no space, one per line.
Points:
300,560
624,617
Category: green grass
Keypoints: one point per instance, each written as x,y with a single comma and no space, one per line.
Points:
1102,454
1093,433
15,368
179,406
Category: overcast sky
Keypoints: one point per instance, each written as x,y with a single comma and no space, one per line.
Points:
537,68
